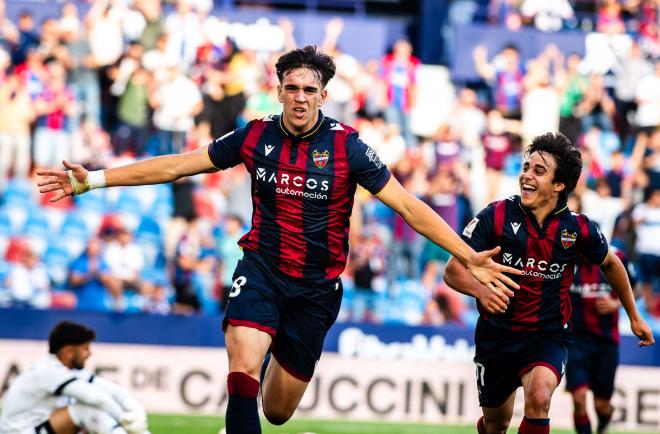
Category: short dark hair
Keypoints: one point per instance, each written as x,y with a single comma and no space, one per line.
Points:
68,333
568,158
307,57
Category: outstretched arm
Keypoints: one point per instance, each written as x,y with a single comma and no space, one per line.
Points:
157,170
617,277
426,222
457,277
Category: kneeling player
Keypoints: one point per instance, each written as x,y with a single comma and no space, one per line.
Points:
55,396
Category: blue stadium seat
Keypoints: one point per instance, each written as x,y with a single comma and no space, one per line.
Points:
57,260
163,206
18,192
93,200
75,232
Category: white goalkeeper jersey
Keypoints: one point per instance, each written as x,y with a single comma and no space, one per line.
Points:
35,394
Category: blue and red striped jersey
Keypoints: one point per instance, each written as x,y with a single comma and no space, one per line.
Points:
302,191
589,285
546,254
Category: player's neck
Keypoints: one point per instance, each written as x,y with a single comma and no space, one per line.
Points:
301,131
542,212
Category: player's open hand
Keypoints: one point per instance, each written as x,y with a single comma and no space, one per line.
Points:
493,300
58,180
643,332
491,274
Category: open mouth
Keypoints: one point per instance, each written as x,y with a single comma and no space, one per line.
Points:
528,188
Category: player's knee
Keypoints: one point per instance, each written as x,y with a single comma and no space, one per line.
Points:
538,400
603,406
580,400
278,416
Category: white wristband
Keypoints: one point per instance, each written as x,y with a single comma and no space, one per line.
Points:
95,179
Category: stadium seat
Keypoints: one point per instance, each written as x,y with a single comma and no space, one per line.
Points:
76,233
57,261
18,192
93,200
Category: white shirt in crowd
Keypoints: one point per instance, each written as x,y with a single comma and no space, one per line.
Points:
648,230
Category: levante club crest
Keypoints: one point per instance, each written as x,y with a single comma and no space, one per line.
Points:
320,158
567,240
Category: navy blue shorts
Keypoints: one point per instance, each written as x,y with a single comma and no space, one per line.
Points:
297,314
592,363
503,356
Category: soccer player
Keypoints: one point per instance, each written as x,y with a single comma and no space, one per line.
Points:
593,355
56,396
522,339
286,292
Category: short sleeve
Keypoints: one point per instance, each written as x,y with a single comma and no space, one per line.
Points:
594,246
225,152
478,234
366,168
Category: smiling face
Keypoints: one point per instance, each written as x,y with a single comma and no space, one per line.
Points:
537,189
302,94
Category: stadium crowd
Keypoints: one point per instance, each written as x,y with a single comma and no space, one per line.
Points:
129,79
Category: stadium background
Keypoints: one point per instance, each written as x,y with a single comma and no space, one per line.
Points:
87,82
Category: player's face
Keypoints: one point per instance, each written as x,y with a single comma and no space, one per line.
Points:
536,187
80,355
302,94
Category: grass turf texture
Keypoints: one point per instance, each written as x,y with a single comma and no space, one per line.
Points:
171,424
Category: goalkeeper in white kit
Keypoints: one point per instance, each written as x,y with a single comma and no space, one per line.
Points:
56,396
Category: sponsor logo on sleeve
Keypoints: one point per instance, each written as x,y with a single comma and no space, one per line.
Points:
467,232
373,157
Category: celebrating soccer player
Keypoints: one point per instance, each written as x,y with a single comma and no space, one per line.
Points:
522,339
593,356
37,400
305,168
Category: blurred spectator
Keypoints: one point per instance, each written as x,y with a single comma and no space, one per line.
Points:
154,25
648,100
399,72
505,12
28,281
467,121
104,25
609,19
571,85
540,103
597,107
498,143
446,306
649,36
506,75
263,102
219,115
91,281
8,32
81,64
646,217
369,264
158,59
26,39
54,106
16,114
628,73
184,28
176,100
601,207
154,293
230,253
547,15
125,260
133,115
340,102
191,259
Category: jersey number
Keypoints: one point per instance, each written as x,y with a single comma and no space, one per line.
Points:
481,370
237,285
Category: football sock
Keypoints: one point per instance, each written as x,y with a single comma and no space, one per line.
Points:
582,423
92,419
481,429
242,411
603,421
534,426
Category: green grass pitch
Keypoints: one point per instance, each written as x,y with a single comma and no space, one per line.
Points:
171,424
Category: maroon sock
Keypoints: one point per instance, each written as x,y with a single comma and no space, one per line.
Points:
582,423
242,415
481,429
534,426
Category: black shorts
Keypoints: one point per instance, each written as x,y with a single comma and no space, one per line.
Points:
504,356
44,428
592,363
296,313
